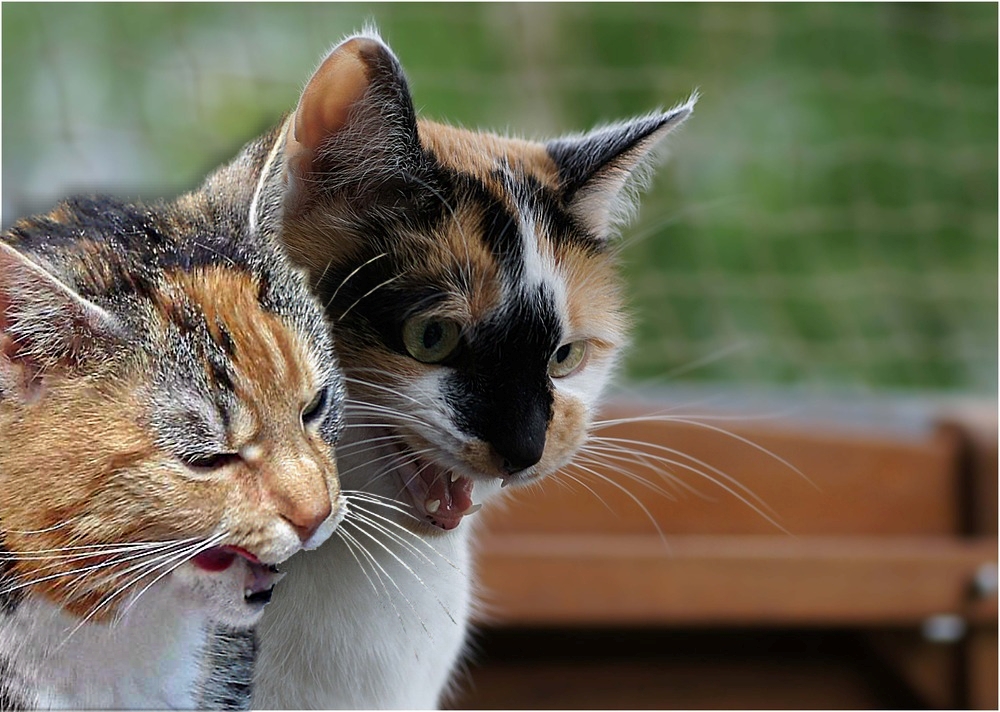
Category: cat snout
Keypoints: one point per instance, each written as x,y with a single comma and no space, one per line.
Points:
307,517
520,449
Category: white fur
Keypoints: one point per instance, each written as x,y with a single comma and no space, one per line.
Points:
148,657
340,635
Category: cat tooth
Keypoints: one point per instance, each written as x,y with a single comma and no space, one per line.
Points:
472,509
454,477
432,505
504,482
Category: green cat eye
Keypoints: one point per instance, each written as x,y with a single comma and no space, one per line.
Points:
567,359
429,339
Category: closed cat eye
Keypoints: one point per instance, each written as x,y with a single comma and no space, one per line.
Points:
567,359
211,462
316,407
430,340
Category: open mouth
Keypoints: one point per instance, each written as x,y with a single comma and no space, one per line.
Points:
440,496
260,578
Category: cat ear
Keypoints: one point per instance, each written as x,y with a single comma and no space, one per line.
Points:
44,325
354,123
598,170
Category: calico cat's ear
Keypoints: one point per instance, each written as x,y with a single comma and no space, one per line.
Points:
597,170
354,126
44,325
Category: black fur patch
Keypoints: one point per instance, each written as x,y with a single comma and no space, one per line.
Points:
500,392
579,160
228,664
12,693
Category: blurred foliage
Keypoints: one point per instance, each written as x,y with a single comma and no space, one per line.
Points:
828,217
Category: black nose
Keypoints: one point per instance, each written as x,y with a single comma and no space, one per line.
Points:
520,441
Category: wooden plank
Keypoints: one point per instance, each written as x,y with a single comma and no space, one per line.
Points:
862,484
763,580
627,684
976,425
931,670
982,679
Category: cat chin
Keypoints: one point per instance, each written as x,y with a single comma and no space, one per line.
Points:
230,585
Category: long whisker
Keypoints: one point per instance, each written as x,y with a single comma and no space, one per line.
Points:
746,441
701,463
608,460
145,568
368,293
387,522
184,557
348,277
85,569
350,548
402,563
611,453
630,495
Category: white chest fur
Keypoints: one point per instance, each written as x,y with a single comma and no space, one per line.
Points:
380,630
150,657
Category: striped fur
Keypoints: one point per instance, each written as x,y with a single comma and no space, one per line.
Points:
168,389
406,227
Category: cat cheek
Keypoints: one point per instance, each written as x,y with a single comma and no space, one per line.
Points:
567,431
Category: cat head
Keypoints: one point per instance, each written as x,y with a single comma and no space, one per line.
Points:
469,278
168,394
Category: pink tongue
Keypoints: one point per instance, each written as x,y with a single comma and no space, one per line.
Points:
455,498
219,558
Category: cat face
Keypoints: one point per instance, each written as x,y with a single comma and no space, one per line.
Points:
162,407
468,278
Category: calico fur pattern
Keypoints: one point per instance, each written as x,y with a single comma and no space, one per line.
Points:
403,221
136,338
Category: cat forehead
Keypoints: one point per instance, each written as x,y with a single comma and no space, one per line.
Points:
482,154
190,286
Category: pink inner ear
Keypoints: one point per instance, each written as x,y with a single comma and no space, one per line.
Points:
19,371
339,83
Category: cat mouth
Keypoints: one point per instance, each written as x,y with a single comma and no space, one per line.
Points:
442,497
260,578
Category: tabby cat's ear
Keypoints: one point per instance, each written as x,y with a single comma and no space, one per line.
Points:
354,125
597,170
44,325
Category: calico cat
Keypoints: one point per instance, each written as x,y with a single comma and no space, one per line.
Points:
471,286
169,399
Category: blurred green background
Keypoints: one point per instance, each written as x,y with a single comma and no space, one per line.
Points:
827,219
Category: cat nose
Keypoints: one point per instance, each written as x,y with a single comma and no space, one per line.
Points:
307,517
522,452
518,438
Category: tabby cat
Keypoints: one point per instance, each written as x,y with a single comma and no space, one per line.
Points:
169,398
471,285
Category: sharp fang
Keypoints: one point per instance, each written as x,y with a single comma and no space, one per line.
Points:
432,505
247,592
472,509
455,476
504,482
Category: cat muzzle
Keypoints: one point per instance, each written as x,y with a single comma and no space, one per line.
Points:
260,578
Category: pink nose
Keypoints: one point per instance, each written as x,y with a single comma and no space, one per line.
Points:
306,518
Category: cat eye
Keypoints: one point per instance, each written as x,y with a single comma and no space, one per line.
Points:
211,462
567,359
316,407
429,339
